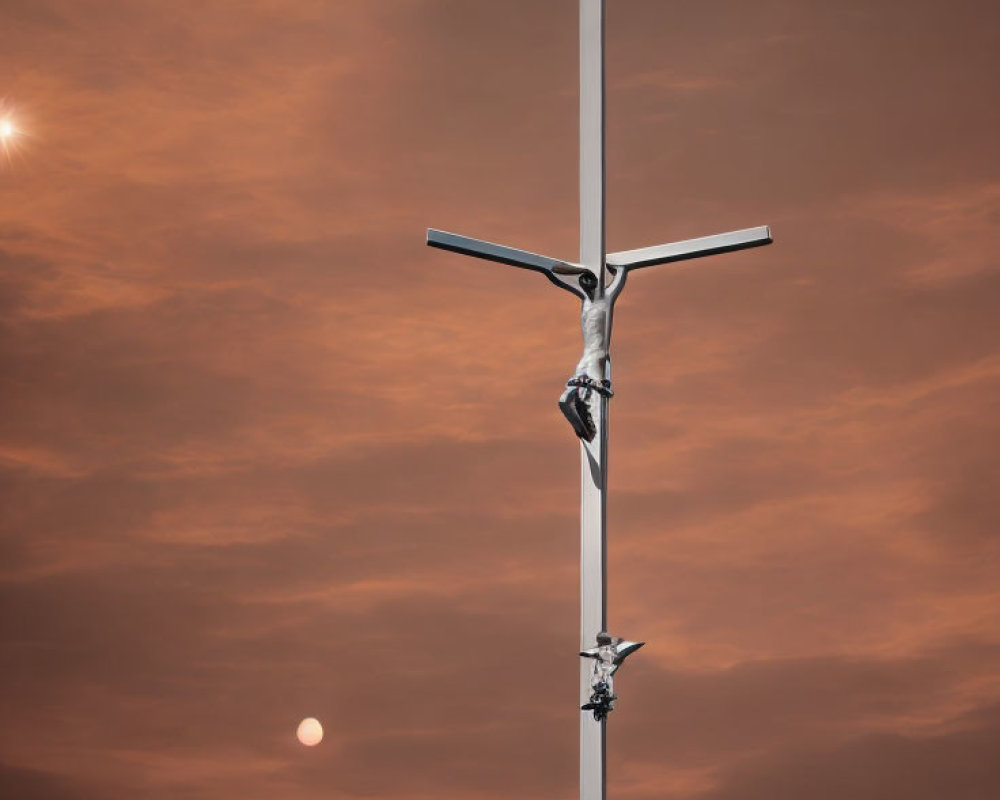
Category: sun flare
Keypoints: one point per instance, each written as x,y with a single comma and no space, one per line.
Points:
11,136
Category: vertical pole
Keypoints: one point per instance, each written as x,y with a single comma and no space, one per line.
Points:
592,136
593,455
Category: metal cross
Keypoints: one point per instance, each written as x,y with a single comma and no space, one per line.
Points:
597,279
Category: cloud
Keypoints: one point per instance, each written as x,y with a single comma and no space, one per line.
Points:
264,455
955,764
29,784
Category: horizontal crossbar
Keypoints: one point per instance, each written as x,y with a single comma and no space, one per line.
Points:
691,248
496,252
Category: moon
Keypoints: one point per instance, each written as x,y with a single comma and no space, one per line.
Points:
310,732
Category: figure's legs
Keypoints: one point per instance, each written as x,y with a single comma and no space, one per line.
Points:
575,403
602,700
576,409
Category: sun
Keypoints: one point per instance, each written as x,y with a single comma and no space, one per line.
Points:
7,129
310,732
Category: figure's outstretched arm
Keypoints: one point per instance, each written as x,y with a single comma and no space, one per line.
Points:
564,274
477,248
624,649
691,248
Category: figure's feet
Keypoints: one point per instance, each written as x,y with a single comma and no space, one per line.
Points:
577,412
599,709
586,384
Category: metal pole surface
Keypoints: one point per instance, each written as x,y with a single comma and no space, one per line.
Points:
593,455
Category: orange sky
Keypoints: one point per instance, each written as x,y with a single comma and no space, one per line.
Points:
266,456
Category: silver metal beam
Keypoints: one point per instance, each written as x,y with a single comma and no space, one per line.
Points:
494,252
563,274
593,455
592,183
593,595
691,248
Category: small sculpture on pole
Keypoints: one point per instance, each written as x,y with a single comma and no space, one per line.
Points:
610,653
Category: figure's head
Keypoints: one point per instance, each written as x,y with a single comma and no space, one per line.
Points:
604,638
588,282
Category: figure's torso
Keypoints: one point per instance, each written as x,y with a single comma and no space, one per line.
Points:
593,322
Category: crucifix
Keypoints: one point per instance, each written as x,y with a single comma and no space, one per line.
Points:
597,280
